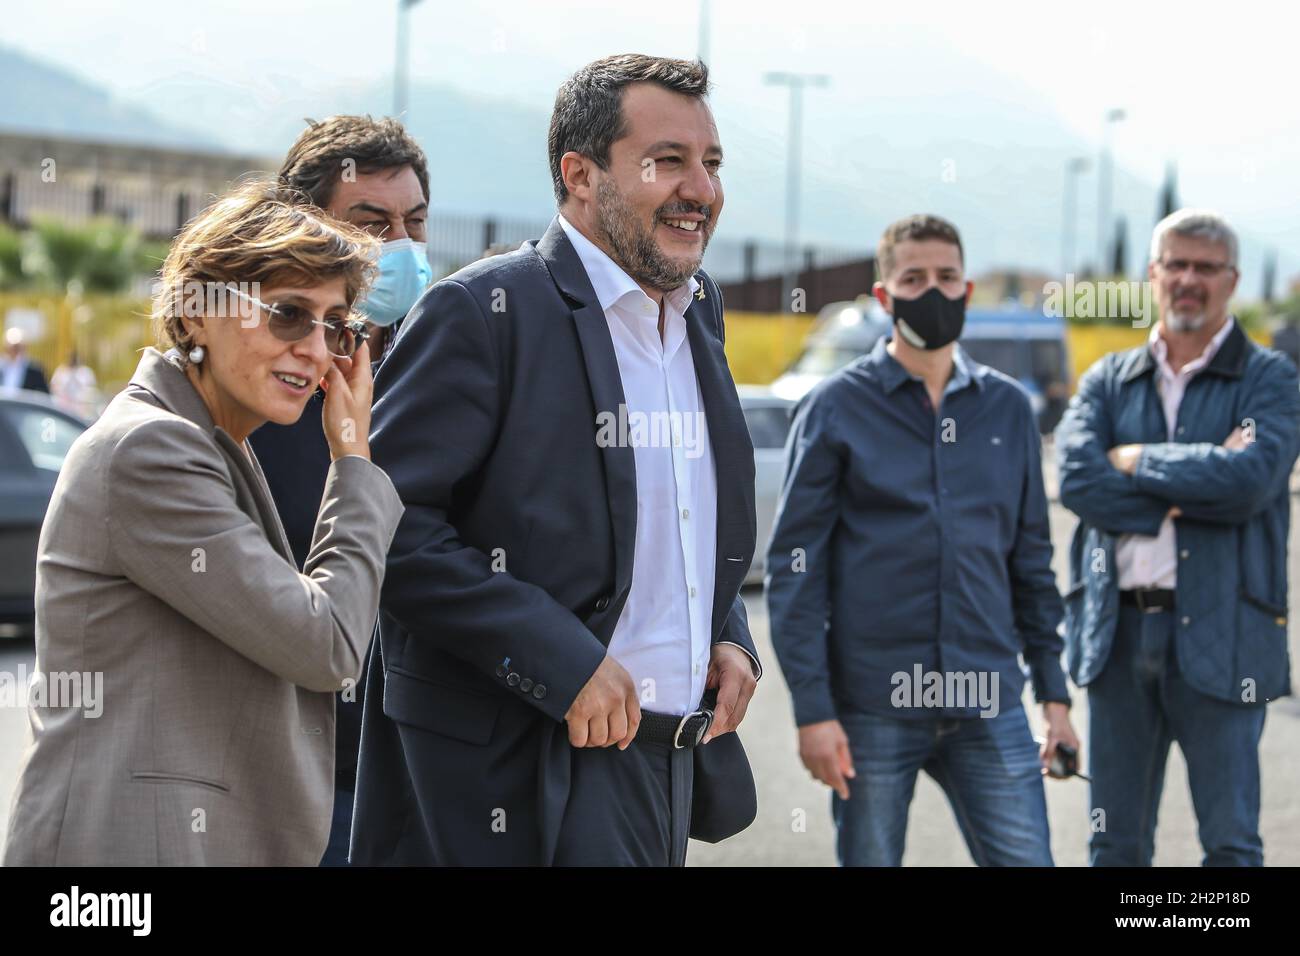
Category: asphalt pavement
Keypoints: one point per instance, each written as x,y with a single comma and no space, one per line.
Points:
794,828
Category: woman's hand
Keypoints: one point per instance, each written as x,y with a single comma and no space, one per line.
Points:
348,391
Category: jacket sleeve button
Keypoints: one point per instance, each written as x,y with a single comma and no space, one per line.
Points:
513,679
539,691
526,684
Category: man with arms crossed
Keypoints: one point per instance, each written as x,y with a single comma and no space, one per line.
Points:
1177,458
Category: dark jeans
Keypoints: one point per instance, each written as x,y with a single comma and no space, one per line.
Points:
988,767
336,851
1138,706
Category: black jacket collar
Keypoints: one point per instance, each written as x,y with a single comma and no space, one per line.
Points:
1229,361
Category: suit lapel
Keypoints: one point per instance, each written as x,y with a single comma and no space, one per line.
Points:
173,391
729,439
253,493
728,434
606,395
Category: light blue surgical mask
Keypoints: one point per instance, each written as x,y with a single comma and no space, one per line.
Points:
404,273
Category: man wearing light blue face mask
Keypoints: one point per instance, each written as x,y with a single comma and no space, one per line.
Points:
372,174
404,273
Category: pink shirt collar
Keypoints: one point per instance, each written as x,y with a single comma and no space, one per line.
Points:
1160,352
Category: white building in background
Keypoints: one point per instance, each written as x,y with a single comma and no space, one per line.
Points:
155,189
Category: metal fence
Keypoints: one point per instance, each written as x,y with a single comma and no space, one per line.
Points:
454,240
457,240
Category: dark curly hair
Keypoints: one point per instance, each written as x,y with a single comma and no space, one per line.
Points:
316,159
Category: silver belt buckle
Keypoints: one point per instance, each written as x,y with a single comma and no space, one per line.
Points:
708,722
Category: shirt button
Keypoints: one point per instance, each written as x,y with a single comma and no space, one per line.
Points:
692,592
1181,429
1184,554
1186,621
686,513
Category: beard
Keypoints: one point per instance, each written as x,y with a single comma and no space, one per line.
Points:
1185,322
1185,319
633,245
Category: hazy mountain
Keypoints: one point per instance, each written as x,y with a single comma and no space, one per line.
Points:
988,155
488,154
41,98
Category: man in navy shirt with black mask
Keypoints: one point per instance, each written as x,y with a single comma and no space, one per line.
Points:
909,571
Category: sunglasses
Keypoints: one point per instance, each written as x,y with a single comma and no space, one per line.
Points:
293,323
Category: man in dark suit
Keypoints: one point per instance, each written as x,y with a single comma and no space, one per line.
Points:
17,370
374,175
561,603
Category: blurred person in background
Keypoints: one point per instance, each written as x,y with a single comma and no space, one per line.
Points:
372,174
912,543
17,369
74,388
1177,458
164,578
1286,340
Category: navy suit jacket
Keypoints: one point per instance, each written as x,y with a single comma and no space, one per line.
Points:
514,556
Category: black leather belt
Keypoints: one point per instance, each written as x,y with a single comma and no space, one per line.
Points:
669,730
1148,600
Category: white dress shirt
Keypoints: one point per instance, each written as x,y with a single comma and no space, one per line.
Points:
1152,562
663,634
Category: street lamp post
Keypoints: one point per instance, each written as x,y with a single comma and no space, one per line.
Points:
702,48
1104,188
796,82
401,62
1073,169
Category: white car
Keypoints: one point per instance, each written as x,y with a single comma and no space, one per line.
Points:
768,418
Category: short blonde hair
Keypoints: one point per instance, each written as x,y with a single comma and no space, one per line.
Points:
260,232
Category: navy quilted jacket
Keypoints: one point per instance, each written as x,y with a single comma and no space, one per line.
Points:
1231,598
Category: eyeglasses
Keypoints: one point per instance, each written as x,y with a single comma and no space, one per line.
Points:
1206,270
292,323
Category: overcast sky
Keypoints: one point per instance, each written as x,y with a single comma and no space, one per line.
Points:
1211,84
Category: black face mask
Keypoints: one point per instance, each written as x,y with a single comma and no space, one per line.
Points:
932,320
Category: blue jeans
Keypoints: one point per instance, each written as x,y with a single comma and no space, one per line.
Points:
988,767
1138,705
336,850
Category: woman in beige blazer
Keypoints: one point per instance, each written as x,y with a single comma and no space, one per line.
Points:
163,570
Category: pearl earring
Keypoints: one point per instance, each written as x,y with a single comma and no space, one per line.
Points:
196,354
